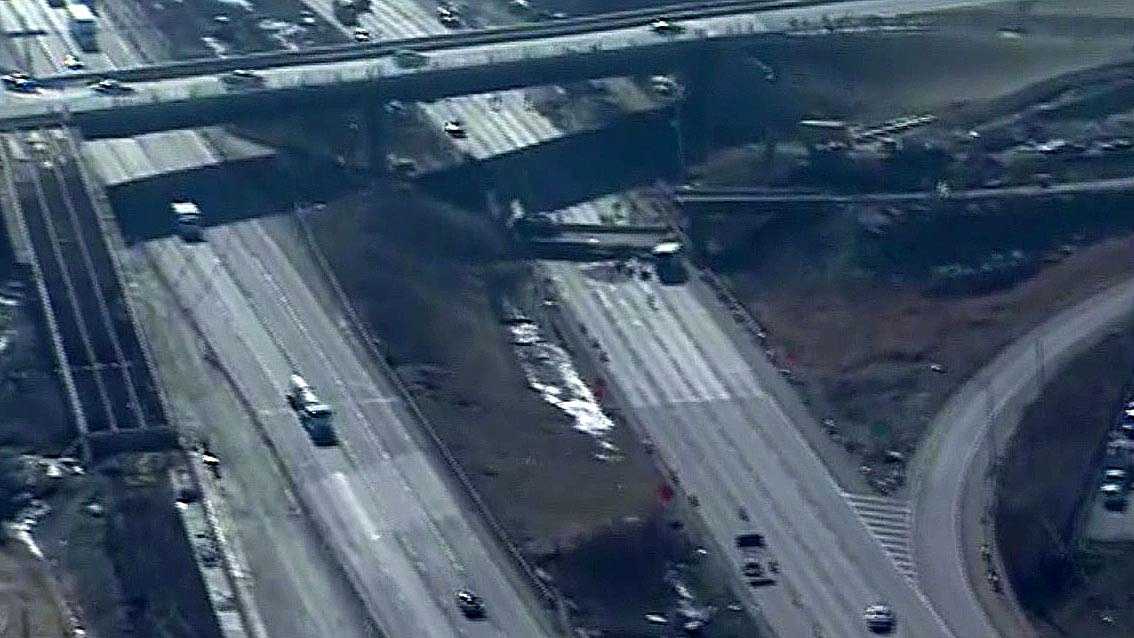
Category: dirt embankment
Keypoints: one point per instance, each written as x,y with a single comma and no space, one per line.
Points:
122,565
860,325
429,279
1048,469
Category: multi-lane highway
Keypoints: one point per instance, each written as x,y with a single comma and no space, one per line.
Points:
707,410
387,513
956,457
38,39
729,441
201,97
378,503
735,449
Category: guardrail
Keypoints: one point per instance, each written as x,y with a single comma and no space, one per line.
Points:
493,35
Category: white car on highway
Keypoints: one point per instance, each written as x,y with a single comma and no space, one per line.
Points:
879,618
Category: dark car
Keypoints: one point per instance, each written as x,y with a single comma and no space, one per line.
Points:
20,82
470,604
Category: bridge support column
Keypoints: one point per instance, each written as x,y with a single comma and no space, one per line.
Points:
694,111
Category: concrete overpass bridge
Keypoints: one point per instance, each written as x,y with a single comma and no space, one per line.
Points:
188,94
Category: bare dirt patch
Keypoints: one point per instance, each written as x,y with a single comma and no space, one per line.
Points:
113,567
860,325
27,607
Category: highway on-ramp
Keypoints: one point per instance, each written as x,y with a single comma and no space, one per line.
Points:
960,449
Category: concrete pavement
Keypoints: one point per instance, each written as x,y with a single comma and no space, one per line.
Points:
386,515
299,589
732,446
967,435
202,99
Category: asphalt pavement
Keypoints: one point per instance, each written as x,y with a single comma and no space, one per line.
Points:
967,435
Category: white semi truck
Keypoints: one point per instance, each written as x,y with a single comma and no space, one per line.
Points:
314,415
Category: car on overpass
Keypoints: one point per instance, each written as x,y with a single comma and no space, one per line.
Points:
242,78
19,82
110,86
665,27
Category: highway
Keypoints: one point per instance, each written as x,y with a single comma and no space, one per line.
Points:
298,588
380,511
733,447
956,456
706,409
44,39
457,70
385,512
727,195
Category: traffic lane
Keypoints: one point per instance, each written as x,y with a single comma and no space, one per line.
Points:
379,572
384,538
298,590
784,607
407,490
735,421
437,525
764,437
699,423
959,447
389,422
